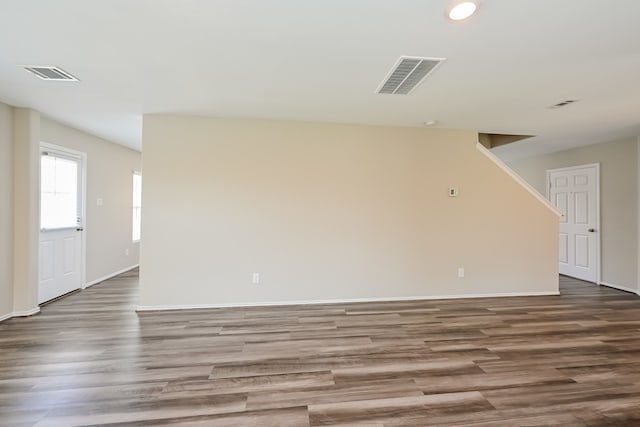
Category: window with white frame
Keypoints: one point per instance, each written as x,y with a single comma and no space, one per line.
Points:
137,205
60,204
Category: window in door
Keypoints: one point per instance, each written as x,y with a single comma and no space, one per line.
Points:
59,195
137,205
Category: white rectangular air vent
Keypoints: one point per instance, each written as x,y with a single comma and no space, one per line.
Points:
407,74
51,73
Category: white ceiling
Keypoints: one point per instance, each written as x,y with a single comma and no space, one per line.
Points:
322,61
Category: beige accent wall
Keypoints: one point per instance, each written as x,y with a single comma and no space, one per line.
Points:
619,200
6,210
332,212
26,206
109,177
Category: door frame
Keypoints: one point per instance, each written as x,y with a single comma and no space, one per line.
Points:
595,166
46,146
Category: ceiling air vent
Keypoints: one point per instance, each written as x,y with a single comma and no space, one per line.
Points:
51,73
407,74
563,103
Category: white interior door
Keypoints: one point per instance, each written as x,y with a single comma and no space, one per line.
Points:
61,223
574,191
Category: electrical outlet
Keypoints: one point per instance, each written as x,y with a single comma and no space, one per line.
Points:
126,252
460,272
255,279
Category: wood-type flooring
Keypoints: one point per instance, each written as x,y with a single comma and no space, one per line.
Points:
90,359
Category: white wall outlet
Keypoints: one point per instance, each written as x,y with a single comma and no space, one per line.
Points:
460,272
126,252
453,192
255,279
99,202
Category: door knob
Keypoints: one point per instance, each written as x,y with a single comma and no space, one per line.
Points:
592,230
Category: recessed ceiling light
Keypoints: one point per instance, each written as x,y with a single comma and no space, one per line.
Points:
429,123
462,10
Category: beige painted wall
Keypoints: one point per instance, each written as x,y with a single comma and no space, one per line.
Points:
327,212
619,200
109,176
26,207
6,210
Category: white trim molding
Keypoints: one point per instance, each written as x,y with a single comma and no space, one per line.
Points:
109,276
36,310
524,184
24,313
338,301
620,288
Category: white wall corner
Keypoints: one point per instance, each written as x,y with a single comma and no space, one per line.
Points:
517,178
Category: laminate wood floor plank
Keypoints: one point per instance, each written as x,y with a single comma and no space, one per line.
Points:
417,409
280,382
131,410
339,392
89,359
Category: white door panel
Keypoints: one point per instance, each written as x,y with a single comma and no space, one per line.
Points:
581,211
561,204
581,179
46,259
61,219
582,251
564,248
69,254
561,181
574,192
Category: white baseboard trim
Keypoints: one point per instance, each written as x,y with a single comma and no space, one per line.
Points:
109,276
620,288
24,313
338,301
37,309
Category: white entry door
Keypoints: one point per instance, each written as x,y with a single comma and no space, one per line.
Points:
574,192
61,222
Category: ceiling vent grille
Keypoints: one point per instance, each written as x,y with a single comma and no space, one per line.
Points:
563,103
407,74
51,73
